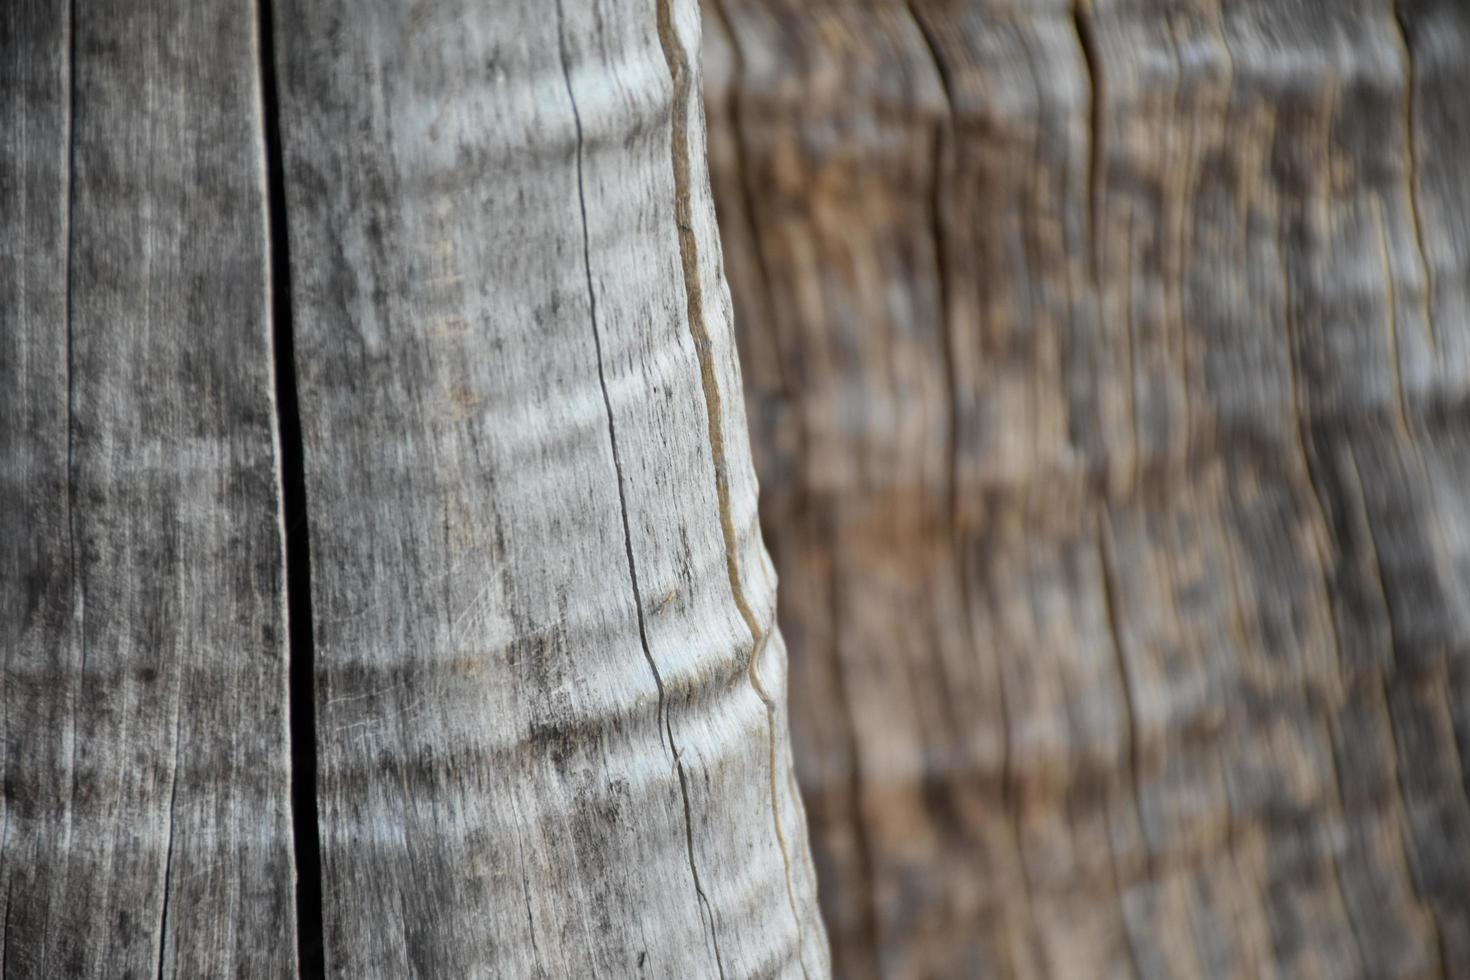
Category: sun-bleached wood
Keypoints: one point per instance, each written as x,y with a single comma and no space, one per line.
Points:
145,824
550,693
549,696
1108,363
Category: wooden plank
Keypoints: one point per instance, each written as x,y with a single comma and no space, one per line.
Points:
146,764
548,685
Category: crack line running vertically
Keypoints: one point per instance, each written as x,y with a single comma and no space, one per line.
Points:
1411,145
77,593
173,822
612,432
301,646
1096,158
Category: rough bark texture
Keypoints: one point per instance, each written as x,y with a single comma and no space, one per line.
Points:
549,698
1107,364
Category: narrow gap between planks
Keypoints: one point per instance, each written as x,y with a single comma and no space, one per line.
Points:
301,646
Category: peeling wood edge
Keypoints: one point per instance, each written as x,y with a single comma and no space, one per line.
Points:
682,76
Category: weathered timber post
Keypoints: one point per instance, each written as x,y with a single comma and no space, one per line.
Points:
382,588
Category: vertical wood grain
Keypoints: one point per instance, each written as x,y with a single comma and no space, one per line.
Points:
549,687
146,814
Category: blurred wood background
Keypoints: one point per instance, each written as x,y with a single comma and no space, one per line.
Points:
1106,364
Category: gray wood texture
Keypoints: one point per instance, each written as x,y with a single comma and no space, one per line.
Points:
550,696
1108,366
146,827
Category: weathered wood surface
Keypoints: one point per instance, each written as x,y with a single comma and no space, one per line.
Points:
145,829
550,694
1108,366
